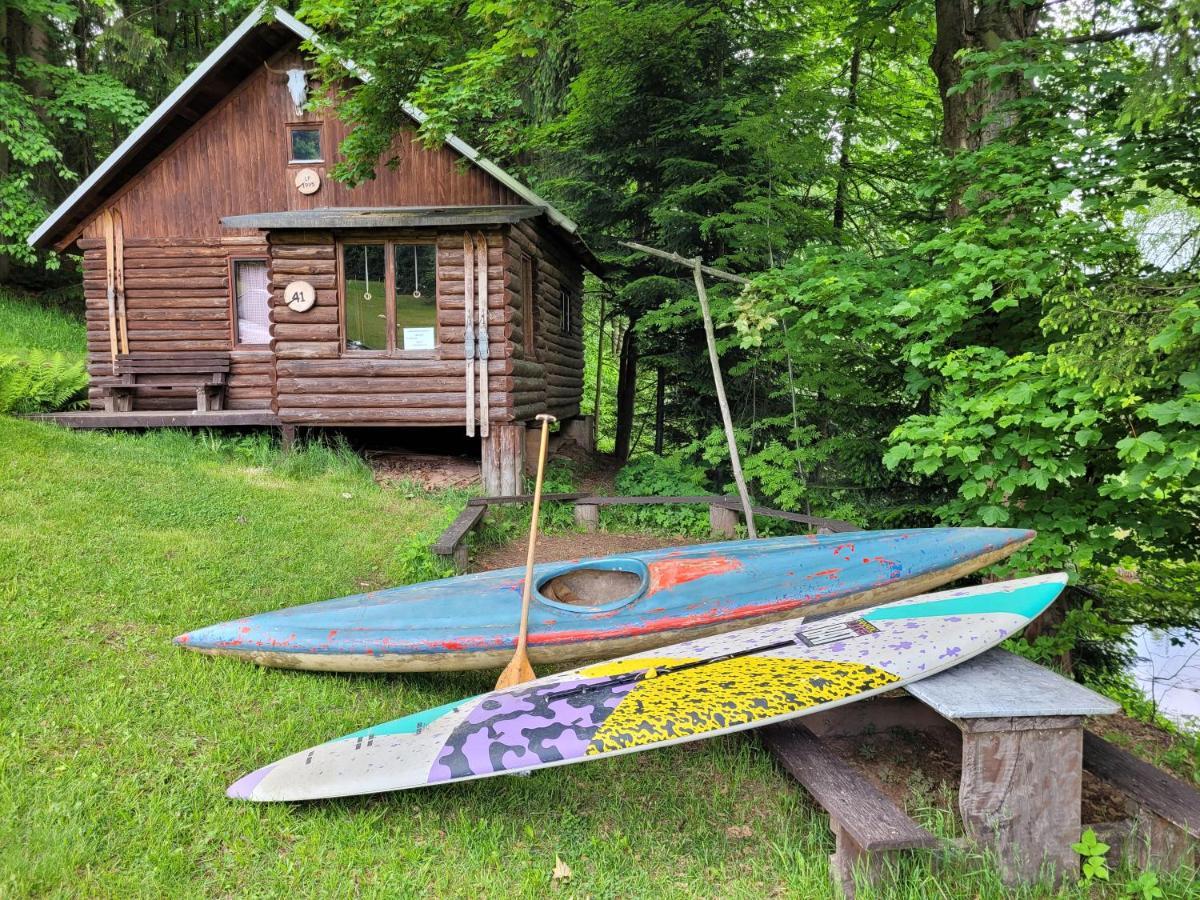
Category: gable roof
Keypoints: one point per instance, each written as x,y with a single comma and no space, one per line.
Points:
264,32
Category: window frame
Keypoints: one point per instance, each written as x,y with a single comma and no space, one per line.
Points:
319,128
389,303
235,337
529,307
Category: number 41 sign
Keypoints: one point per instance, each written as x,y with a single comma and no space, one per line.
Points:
300,296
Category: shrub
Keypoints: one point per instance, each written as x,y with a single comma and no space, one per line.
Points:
37,381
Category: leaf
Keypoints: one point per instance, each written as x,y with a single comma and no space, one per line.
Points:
562,872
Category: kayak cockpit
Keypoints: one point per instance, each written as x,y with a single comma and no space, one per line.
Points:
595,586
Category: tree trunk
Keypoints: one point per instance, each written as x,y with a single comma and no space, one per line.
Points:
969,118
626,391
843,181
660,396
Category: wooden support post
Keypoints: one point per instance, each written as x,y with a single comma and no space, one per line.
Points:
1020,796
588,516
722,520
847,859
502,460
581,430
287,438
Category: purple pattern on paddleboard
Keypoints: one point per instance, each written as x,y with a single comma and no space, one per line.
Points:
516,731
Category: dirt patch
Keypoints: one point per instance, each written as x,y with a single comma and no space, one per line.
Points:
429,471
1148,742
558,547
919,769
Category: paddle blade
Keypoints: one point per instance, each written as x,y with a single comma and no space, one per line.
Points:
518,671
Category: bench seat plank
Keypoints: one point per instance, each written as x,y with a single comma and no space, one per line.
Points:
870,817
1148,786
454,535
999,684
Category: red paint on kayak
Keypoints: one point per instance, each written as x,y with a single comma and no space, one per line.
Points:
671,624
671,572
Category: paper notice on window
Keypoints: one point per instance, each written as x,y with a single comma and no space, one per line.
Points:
419,338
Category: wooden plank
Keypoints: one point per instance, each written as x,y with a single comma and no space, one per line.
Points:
160,419
463,523
874,821
1000,685
1148,786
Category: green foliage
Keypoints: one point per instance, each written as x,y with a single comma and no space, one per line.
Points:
661,476
1144,887
1095,866
26,324
40,382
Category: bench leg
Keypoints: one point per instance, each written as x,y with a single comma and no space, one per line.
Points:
722,521
587,515
1022,781
847,859
118,399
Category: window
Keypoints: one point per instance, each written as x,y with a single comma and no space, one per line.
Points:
567,304
390,292
415,279
252,301
305,145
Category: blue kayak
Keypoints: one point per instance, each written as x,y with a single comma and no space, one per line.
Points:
591,608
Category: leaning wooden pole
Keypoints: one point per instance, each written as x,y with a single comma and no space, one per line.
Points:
699,270
734,457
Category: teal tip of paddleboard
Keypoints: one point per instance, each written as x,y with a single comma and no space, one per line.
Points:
1026,597
243,788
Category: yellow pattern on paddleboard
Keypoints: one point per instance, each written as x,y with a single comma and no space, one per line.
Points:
726,694
623,666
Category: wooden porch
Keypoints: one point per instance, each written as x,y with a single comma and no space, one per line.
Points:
162,418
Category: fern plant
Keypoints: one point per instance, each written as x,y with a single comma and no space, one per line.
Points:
37,381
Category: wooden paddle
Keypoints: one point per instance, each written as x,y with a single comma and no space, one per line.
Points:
518,671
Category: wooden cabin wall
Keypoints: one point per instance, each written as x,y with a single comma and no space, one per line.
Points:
177,297
318,383
552,374
235,161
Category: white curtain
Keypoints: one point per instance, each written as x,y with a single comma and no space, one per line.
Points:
253,302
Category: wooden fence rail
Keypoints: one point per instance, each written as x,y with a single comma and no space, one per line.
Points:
723,513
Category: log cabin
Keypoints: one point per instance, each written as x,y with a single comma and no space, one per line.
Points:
229,280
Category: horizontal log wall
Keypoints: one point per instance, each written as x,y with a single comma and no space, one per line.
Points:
319,383
554,379
177,298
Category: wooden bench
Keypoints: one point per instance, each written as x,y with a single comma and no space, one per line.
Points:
206,373
452,544
1021,790
1165,810
1021,727
866,824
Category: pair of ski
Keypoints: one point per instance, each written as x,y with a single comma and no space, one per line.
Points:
114,264
475,292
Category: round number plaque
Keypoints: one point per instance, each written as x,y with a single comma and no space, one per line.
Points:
308,181
300,296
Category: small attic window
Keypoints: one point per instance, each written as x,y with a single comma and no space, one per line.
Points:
305,145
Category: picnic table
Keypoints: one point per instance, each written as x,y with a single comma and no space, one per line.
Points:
1024,751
